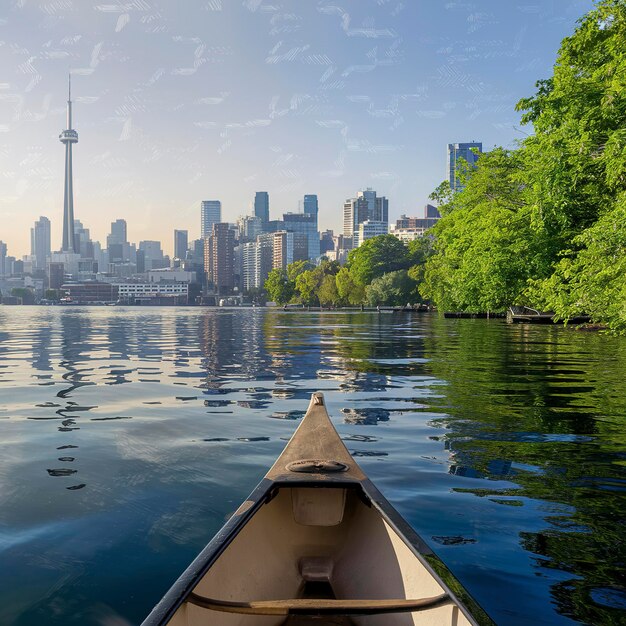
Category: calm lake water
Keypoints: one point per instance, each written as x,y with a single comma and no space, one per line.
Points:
128,436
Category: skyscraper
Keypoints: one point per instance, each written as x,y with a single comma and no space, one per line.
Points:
366,207
306,224
457,152
289,247
262,207
40,243
310,205
3,258
181,241
68,137
219,258
210,213
118,232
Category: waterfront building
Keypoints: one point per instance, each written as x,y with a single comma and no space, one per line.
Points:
181,242
289,247
210,213
68,137
88,292
458,152
219,258
171,275
369,229
40,243
262,207
133,290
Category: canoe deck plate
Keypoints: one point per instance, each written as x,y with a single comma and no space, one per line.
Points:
317,466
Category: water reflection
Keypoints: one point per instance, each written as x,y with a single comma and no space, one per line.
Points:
133,433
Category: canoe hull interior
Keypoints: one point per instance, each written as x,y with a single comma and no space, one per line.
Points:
331,535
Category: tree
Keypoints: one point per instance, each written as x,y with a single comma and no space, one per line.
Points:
309,282
391,289
278,286
349,290
483,244
296,268
592,279
377,256
328,293
27,295
576,163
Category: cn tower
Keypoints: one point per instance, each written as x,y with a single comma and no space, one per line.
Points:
68,137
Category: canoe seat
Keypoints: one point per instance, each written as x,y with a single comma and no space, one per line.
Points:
324,606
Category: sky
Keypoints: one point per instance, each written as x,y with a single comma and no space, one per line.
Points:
178,102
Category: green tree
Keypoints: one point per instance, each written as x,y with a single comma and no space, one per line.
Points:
309,282
27,295
483,243
391,289
576,165
328,293
377,256
349,290
279,287
593,278
52,294
296,268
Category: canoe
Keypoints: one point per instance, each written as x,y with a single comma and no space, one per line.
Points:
316,543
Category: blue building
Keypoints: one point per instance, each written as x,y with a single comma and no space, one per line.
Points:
457,152
262,207
210,213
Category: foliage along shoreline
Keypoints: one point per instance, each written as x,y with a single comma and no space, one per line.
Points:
542,225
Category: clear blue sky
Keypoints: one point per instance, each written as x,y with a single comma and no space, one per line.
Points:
176,102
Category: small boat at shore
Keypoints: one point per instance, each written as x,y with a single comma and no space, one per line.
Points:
316,543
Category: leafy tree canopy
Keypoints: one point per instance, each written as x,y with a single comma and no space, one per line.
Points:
377,256
391,289
279,287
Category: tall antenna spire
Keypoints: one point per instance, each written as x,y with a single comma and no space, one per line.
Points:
69,100
68,137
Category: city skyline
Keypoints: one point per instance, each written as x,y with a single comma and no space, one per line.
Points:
165,122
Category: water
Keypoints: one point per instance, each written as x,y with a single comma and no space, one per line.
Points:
128,436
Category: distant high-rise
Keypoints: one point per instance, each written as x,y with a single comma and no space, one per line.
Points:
306,224
68,137
210,213
181,241
289,247
153,254
3,258
118,232
262,207
367,206
40,245
457,152
249,227
82,240
310,205
219,258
